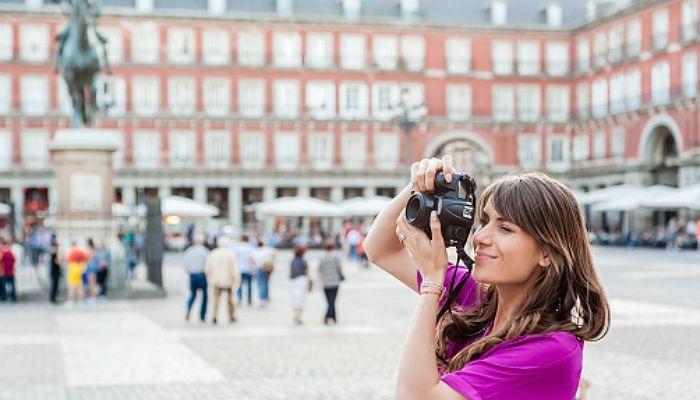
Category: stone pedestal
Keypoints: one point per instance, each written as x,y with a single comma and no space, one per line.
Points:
82,159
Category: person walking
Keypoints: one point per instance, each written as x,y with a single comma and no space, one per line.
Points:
77,261
222,273
7,267
245,263
91,270
195,261
264,258
299,283
103,261
330,275
55,271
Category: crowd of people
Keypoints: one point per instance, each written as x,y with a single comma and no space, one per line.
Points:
675,235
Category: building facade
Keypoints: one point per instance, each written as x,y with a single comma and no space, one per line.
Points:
234,102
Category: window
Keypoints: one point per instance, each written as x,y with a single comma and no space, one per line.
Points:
35,149
251,97
660,29
287,48
459,101
354,150
320,150
617,143
217,96
385,99
115,44
34,91
65,104
690,74
181,95
118,155
583,96
529,150
581,147
251,48
599,96
216,7
145,95
5,150
557,58
320,99
634,38
319,50
499,12
146,149
617,93
413,52
181,46
286,98
6,45
503,97
215,47
459,55
217,149
111,95
599,147
413,94
558,153
34,42
352,8
599,49
660,83
353,98
502,57
145,49
287,150
583,55
352,51
554,15
252,149
558,103
529,100
528,58
689,19
385,51
183,145
615,38
410,7
386,150
633,89
5,94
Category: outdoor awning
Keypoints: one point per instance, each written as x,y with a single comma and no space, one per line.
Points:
632,199
363,206
296,207
605,194
685,197
186,208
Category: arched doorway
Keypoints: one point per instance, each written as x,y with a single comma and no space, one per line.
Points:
470,153
663,157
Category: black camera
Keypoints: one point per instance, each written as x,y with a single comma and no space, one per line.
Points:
454,203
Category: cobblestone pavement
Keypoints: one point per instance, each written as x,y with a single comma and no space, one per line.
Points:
143,349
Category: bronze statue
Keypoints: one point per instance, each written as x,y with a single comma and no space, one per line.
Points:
78,61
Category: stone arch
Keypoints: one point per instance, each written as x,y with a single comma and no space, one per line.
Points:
657,126
471,153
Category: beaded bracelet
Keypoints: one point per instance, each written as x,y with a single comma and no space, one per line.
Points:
432,285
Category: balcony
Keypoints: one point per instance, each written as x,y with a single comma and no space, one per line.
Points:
659,42
688,32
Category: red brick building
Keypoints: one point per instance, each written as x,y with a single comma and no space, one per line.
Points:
233,102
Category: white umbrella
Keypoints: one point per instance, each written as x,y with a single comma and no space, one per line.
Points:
605,194
363,206
633,199
296,207
5,209
685,197
187,208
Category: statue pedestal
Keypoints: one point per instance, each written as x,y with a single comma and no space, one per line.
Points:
82,159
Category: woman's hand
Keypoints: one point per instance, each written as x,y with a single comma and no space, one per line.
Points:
429,255
423,172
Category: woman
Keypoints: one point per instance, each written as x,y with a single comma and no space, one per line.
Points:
517,326
264,258
77,260
55,272
330,275
299,282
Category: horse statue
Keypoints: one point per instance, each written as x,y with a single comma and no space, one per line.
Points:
77,59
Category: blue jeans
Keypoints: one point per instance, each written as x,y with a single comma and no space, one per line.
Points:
263,279
246,279
198,281
11,292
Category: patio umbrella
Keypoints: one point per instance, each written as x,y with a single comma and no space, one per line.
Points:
605,194
296,207
5,209
633,199
187,208
363,206
685,197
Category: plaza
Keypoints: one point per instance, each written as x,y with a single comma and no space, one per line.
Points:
143,349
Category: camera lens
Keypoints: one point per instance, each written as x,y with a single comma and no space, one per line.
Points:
418,211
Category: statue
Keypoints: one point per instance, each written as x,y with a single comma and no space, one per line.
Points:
77,59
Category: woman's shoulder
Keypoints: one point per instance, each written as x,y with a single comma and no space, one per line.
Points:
544,349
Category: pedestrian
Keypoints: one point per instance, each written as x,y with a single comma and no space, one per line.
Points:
103,261
195,261
77,261
91,270
222,274
55,272
514,327
330,275
353,238
245,262
7,267
299,283
264,258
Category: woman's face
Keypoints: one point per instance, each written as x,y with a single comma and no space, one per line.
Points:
505,254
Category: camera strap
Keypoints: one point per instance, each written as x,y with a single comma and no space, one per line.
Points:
453,290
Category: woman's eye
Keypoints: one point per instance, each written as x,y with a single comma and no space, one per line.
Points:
505,228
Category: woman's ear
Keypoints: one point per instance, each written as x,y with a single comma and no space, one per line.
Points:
544,261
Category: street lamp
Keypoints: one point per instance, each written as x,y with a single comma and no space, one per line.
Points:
407,116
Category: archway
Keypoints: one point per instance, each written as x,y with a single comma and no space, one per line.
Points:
662,156
471,154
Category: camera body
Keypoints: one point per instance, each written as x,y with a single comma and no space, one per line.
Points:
454,203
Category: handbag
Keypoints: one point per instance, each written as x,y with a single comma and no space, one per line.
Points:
268,267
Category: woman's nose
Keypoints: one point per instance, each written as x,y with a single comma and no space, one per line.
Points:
481,237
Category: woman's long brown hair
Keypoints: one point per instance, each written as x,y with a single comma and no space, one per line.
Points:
567,295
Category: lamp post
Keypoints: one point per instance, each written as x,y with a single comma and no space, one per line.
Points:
407,116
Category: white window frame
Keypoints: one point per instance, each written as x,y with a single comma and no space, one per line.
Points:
386,150
34,94
563,164
287,93
499,12
115,44
353,150
583,100
216,47
557,58
6,149
386,97
581,147
583,55
385,51
660,83
353,111
6,94
251,97
7,44
34,148
600,147
353,48
689,73
110,90
529,150
458,53
252,150
599,98
502,57
145,95
503,102
182,95
319,50
34,42
320,150
145,50
251,48
660,27
287,150
413,52
616,43
320,99
286,49
216,93
182,47
617,143
217,149
600,49
689,20
558,103
633,89
459,101
617,93
634,38
528,57
529,102
144,159
182,148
